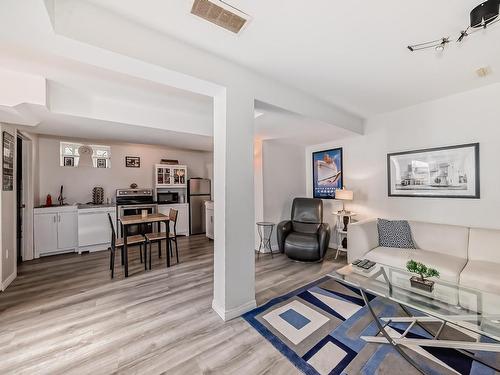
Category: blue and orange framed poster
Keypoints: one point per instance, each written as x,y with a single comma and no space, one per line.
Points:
327,173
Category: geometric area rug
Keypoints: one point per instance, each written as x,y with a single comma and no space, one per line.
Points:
318,328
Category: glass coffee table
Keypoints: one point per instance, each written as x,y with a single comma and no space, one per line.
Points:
441,306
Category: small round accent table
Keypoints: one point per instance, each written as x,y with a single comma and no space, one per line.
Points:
265,230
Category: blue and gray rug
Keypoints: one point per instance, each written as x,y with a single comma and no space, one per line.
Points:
319,328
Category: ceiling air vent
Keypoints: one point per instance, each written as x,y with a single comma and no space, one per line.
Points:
220,14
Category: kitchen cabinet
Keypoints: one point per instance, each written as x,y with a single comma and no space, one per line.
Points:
55,230
209,219
182,216
94,230
170,176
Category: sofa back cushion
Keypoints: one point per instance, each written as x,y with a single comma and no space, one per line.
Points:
441,238
484,244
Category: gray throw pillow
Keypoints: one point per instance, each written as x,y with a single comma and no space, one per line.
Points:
395,233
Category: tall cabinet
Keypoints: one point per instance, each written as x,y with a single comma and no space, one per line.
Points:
170,176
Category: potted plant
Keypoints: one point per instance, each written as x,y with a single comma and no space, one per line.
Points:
424,272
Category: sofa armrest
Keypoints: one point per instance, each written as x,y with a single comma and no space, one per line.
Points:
361,238
282,230
323,239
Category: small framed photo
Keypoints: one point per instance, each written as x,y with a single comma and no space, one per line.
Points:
101,163
132,162
69,161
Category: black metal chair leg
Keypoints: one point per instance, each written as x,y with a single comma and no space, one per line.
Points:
150,254
123,255
110,259
112,263
176,250
159,249
145,256
140,252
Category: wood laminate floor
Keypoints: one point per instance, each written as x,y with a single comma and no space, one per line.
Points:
64,315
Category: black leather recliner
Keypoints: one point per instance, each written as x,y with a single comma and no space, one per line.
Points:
305,238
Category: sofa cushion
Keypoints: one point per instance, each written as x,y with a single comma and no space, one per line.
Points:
394,233
445,239
480,275
449,267
484,245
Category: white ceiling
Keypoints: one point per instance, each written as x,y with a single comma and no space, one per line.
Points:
351,53
86,102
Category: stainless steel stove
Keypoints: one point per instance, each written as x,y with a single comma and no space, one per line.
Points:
132,202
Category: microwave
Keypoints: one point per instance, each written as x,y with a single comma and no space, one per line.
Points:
166,197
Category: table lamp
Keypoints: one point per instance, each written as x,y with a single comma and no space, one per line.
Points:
344,195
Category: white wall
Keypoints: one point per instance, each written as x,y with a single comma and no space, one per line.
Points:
78,182
464,118
284,178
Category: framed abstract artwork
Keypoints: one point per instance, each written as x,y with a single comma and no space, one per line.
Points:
327,173
443,172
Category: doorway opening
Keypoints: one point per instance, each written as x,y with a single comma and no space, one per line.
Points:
24,186
19,199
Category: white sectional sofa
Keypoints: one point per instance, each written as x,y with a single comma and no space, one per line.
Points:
468,256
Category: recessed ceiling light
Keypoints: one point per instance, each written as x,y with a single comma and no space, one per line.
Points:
257,114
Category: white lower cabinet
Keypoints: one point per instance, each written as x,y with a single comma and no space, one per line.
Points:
55,230
182,216
94,229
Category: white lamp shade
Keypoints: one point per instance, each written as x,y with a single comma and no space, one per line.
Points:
344,195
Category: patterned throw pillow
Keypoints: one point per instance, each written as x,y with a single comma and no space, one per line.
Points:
395,233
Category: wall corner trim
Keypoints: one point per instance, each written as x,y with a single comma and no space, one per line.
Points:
227,315
9,280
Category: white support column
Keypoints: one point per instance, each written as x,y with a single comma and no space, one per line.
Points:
234,262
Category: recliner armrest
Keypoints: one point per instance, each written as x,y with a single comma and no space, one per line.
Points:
323,238
283,229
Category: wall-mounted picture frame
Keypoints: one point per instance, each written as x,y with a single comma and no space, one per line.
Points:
69,161
327,173
441,172
101,163
132,161
7,161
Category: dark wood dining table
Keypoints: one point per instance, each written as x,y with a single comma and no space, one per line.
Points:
126,221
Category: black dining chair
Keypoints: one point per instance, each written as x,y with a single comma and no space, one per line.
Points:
158,237
118,243
172,237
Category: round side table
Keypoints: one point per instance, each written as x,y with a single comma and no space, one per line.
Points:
265,230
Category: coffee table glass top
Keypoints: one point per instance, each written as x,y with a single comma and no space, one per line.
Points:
482,315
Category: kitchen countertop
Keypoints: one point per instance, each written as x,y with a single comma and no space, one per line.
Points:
87,206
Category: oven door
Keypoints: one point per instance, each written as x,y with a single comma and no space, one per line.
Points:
128,210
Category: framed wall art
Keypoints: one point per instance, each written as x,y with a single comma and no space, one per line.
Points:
7,162
327,173
443,172
132,161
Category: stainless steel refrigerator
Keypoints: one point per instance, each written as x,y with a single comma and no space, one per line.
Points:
198,194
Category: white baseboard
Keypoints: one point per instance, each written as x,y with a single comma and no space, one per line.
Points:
9,279
235,312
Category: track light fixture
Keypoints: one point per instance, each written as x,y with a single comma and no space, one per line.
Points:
482,16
